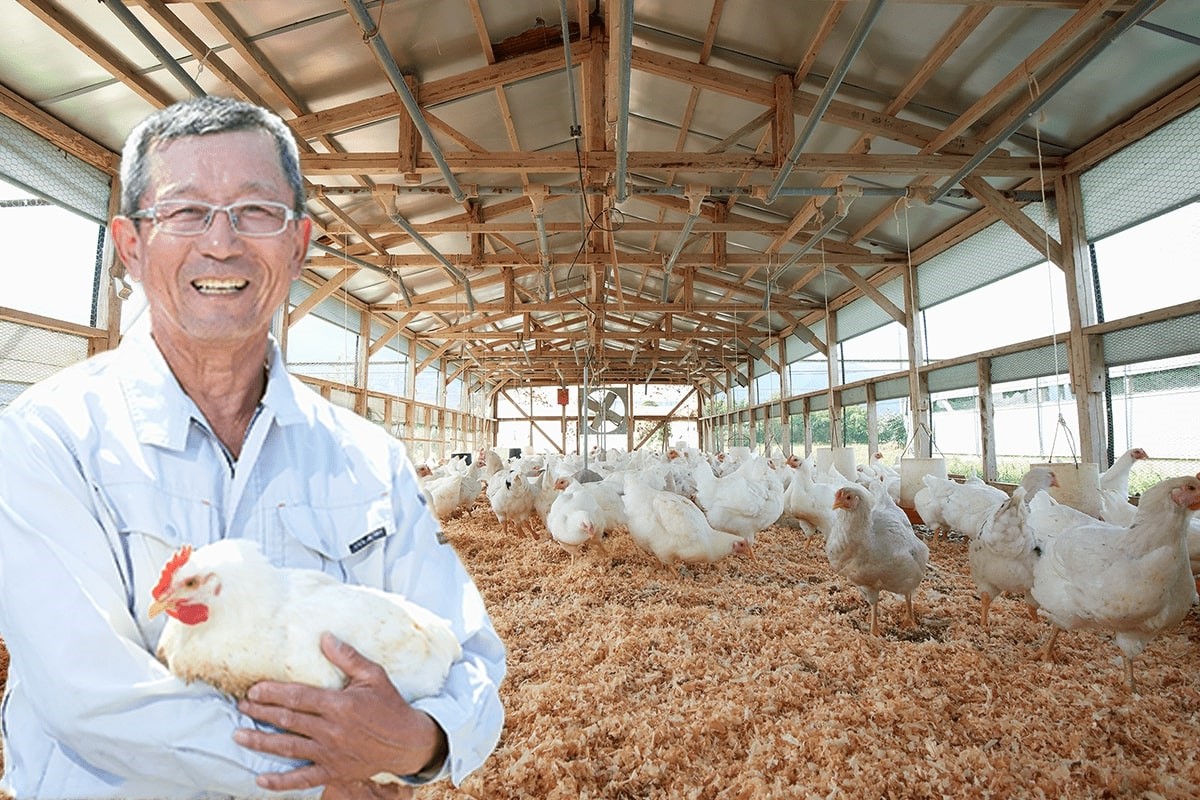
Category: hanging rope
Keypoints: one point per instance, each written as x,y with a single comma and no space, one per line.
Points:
350,384
919,423
742,439
770,334
834,423
1060,422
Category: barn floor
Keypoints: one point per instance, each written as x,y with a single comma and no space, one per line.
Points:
758,679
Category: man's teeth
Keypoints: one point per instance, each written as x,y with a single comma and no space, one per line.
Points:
213,286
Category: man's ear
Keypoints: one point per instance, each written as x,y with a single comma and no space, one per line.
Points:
127,240
303,235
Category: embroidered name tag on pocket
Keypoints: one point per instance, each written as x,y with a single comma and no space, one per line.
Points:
373,536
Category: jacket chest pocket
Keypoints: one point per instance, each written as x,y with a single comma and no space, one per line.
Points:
148,526
346,541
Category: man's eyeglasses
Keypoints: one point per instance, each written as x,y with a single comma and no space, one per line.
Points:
192,217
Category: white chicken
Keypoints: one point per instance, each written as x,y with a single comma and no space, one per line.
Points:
810,501
512,498
1116,477
673,529
1001,555
960,507
872,545
224,596
1114,488
1135,582
928,503
745,501
1193,543
443,493
544,495
582,513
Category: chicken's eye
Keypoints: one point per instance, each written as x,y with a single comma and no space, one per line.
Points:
191,583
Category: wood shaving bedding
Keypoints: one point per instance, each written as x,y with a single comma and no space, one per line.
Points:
758,679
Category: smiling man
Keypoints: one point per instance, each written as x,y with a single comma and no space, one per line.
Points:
187,433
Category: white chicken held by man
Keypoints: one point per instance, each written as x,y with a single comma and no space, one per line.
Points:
236,619
1134,582
871,544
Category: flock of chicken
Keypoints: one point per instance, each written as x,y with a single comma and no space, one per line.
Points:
1127,572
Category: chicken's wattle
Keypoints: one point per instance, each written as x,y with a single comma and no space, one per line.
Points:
189,613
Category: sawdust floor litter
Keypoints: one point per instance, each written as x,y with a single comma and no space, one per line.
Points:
760,679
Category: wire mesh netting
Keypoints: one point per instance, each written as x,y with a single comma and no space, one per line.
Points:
29,354
36,165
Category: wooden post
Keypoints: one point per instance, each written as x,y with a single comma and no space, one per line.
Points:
918,392
1086,354
784,123
987,419
408,145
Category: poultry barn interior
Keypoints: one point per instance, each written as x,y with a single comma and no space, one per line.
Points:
736,251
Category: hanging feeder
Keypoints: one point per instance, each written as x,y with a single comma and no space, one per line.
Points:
1078,485
912,476
839,458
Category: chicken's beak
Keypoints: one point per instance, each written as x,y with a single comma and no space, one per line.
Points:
159,606
841,501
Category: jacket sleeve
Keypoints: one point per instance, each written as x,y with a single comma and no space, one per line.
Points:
85,693
425,568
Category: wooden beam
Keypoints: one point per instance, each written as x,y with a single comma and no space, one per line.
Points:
390,333
873,293
320,293
57,133
1011,214
436,92
437,353
531,420
62,22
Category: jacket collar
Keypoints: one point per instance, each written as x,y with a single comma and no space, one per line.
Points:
161,411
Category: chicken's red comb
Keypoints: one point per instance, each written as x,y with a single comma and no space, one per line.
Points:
164,580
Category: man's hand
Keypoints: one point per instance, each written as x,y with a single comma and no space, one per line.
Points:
348,735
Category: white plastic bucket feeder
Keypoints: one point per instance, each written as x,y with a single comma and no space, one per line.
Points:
1078,485
912,474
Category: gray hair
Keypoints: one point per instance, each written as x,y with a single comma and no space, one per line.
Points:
196,117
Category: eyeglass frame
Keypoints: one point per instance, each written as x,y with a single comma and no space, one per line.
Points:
231,212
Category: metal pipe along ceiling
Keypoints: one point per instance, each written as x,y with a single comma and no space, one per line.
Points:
865,23
421,242
1127,21
324,248
154,46
684,233
566,37
625,77
843,209
370,35
576,128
